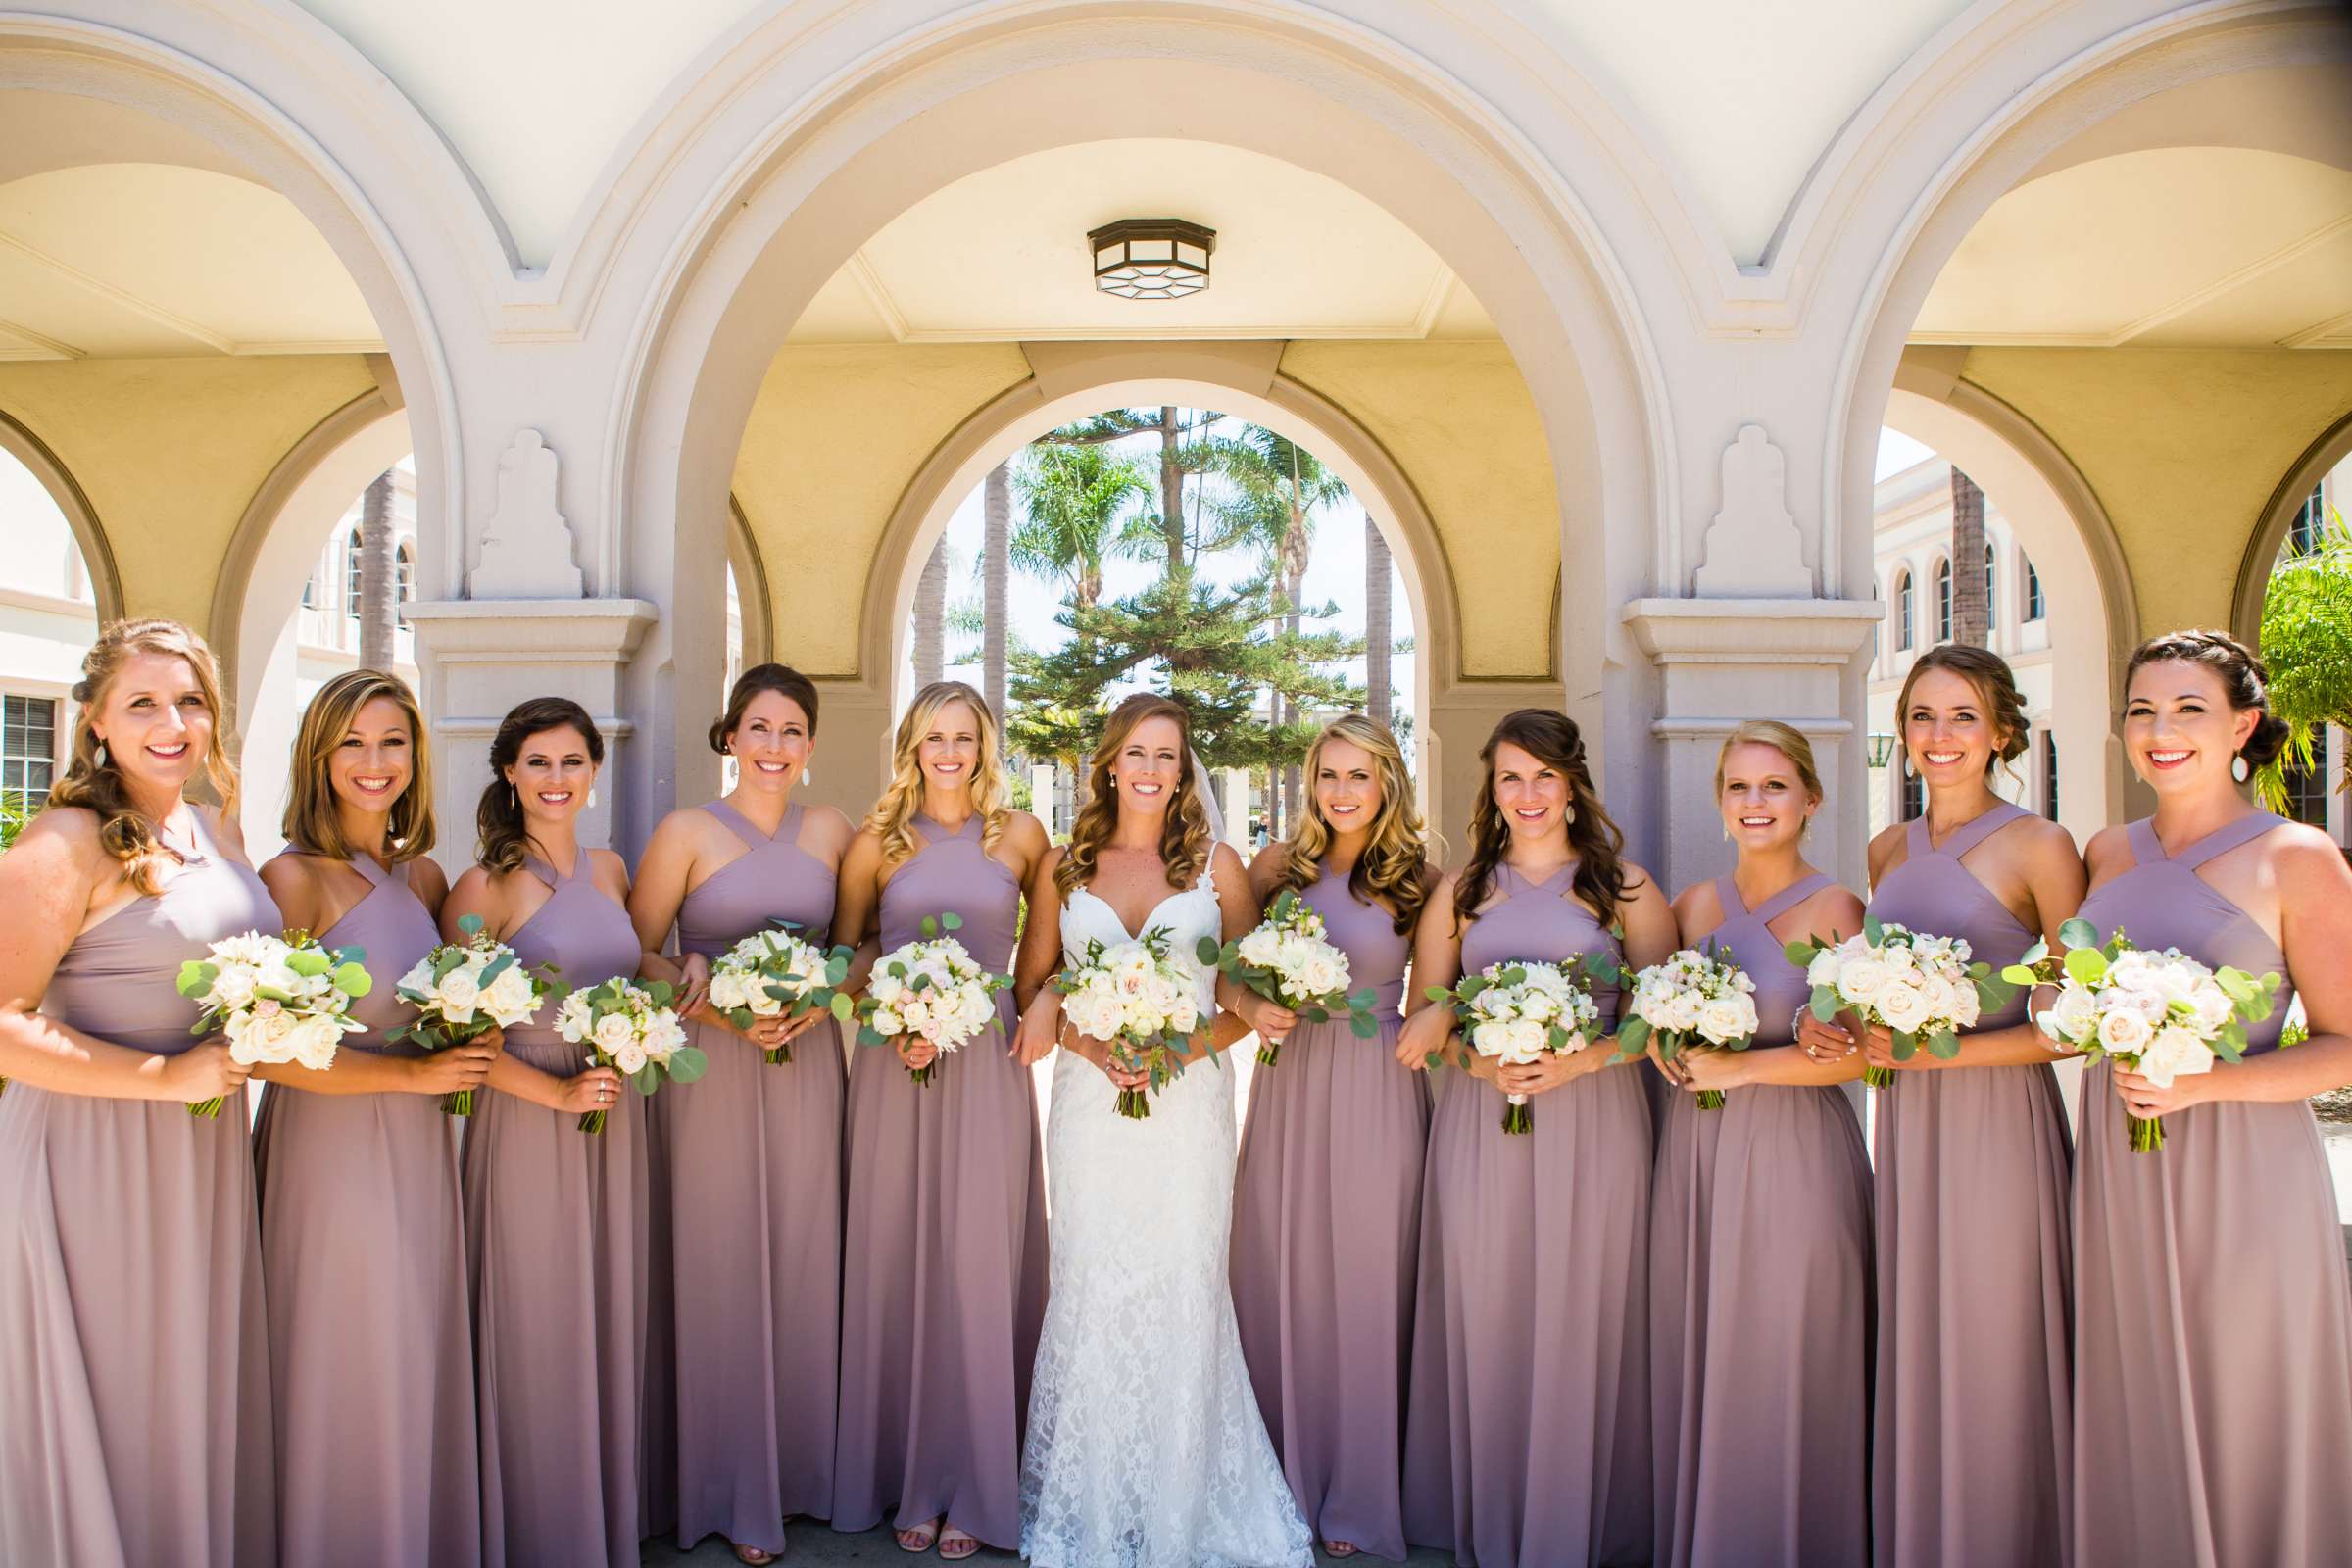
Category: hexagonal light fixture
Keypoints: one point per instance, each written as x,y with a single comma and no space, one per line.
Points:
1152,258
1881,748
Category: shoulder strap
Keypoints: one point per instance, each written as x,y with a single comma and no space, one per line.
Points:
788,831
1984,825
375,874
1916,843
1789,896
1727,894
739,824
2146,848
545,872
2222,840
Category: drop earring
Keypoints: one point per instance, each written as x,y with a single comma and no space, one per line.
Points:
592,800
2239,769
101,763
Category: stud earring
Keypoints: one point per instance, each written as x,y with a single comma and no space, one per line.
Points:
2239,769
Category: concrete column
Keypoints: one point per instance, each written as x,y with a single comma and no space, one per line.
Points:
1041,795
1233,798
1723,660
478,657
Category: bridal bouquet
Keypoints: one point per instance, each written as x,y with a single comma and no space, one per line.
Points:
630,1028
1139,1001
1515,1013
1922,988
461,990
278,999
1690,994
932,989
779,973
2163,1015
1287,959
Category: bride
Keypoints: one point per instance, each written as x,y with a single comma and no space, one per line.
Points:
1145,1446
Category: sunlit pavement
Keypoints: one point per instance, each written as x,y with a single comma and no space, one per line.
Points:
815,1543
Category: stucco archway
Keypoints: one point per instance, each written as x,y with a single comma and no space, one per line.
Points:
97,554
2262,550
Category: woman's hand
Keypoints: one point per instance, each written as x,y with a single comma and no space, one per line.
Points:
1825,1041
1674,1069
459,1067
1549,1070
1423,1034
1268,1019
694,985
1098,1052
1712,1067
203,1072
1878,1048
915,1051
2146,1102
597,1089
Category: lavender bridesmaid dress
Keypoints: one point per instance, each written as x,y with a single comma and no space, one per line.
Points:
1759,1290
1326,1230
1527,1420
134,1362
944,1281
555,1237
364,1255
752,1182
1972,1430
2212,1345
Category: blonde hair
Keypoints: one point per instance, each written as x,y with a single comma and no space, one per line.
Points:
903,797
1183,841
1785,739
124,830
1393,864
313,821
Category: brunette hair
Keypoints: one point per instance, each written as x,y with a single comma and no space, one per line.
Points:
1183,841
312,821
124,830
903,797
500,841
1394,865
2245,678
1551,738
1996,689
782,679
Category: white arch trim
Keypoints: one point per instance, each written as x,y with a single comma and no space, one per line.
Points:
97,554
2319,460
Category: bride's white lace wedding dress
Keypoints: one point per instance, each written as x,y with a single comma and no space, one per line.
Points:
1145,1448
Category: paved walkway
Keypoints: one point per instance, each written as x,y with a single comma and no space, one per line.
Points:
814,1544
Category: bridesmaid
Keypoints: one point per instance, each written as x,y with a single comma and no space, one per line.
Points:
1971,1428
134,1371
1527,1426
2214,1326
363,1254
1759,1250
1327,1205
555,1217
944,1286
750,1182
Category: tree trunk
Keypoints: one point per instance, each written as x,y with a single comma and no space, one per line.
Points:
930,615
1171,491
995,573
1294,585
379,576
1379,639
1969,618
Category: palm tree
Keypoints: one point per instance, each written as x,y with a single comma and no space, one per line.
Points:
1377,635
930,615
378,575
995,585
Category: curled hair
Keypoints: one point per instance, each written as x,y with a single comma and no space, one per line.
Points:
1551,738
1786,739
124,830
1184,842
1394,865
782,679
313,821
903,797
1996,690
2245,679
502,838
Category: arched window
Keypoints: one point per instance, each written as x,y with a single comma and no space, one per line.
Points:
404,581
2049,775
1992,588
1905,612
2035,608
1943,601
2310,520
1914,795
351,575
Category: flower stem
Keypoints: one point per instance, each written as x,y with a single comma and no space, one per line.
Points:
1710,1100
458,1102
1269,1053
780,1055
592,1122
1879,1077
1518,1120
1134,1104
920,1076
2148,1137
209,1109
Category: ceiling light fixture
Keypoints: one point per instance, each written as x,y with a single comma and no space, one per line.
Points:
1152,258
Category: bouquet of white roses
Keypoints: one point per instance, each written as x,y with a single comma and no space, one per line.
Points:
630,1028
278,999
1287,958
932,989
461,990
779,973
1139,1002
1922,988
2161,1015
1514,1013
1691,994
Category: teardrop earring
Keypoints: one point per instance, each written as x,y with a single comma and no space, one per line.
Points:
592,800
2239,769
101,761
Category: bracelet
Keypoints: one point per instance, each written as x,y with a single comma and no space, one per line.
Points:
1796,1021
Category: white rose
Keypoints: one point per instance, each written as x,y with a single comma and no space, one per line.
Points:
2074,1016
727,991
1727,1018
1258,948
1823,969
2213,1008
1863,981
508,998
629,1057
2125,1031
314,1043
613,1031
1902,1007
2174,1052
419,978
233,986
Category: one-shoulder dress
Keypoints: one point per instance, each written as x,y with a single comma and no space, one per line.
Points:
1326,1235
1760,1295
556,1241
1973,1425
943,1273
1527,1416
2213,1322
364,1255
135,1356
